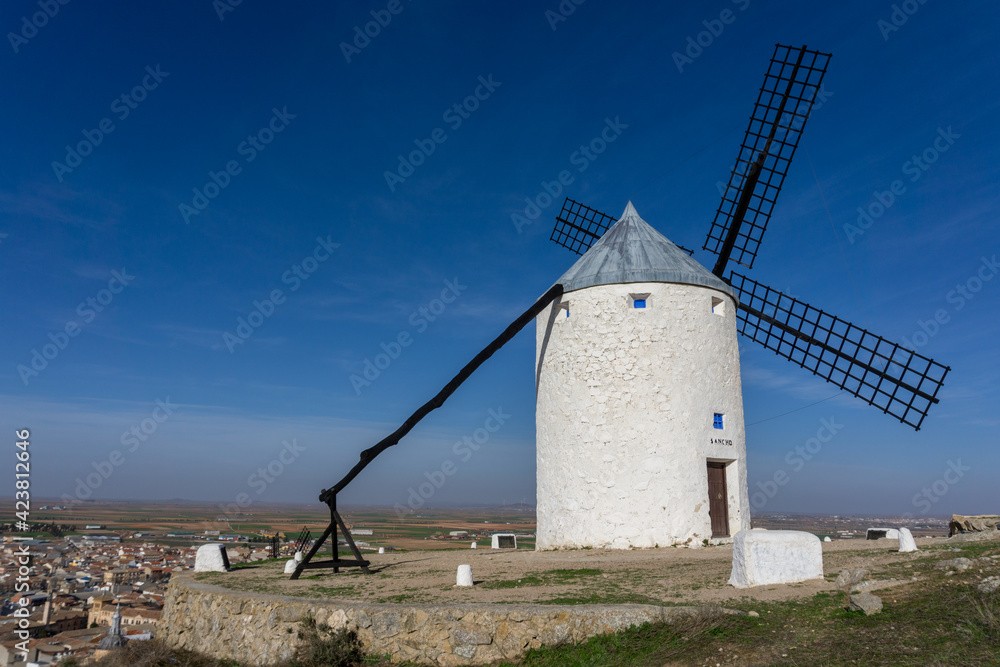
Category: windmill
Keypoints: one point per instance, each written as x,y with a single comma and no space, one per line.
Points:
594,488
625,457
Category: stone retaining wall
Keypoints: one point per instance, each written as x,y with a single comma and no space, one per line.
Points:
262,629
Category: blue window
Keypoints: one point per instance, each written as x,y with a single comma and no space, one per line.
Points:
717,420
638,303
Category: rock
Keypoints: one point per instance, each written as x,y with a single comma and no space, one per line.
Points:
753,614
957,564
775,557
973,524
211,558
866,602
290,566
827,539
906,541
387,625
986,535
989,585
849,578
464,575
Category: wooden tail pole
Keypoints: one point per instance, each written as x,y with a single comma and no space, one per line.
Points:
329,496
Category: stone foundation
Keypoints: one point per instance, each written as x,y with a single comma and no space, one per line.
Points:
262,629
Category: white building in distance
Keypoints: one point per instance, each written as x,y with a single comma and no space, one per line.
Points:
639,409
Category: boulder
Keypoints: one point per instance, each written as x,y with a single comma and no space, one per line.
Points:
464,575
762,557
986,535
211,558
866,602
980,523
849,578
906,542
989,585
957,564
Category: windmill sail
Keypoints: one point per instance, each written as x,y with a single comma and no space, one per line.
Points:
578,227
779,116
894,379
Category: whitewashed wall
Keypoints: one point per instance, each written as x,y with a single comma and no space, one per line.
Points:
624,416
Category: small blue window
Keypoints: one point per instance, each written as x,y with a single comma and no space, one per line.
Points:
638,303
717,420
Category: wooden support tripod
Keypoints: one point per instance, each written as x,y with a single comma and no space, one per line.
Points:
329,496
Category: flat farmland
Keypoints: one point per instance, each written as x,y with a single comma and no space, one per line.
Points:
426,530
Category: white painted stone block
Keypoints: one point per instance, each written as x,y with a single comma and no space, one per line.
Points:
290,565
381,550
906,541
464,575
827,539
763,557
211,558
508,540
879,533
472,546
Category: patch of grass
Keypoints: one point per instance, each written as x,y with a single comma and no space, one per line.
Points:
527,580
563,575
547,578
650,644
984,624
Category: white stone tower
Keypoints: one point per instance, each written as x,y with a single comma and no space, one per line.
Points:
639,411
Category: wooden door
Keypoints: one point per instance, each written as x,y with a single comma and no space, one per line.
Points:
718,507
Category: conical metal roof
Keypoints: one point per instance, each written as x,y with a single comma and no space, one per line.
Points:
633,252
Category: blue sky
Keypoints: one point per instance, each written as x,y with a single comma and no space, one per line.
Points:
249,155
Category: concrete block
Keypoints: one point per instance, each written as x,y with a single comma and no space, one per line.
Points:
906,541
211,558
464,575
880,533
763,557
504,541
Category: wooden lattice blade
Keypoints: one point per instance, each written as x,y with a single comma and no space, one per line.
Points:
898,381
791,84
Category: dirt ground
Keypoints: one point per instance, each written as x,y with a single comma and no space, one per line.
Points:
684,576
